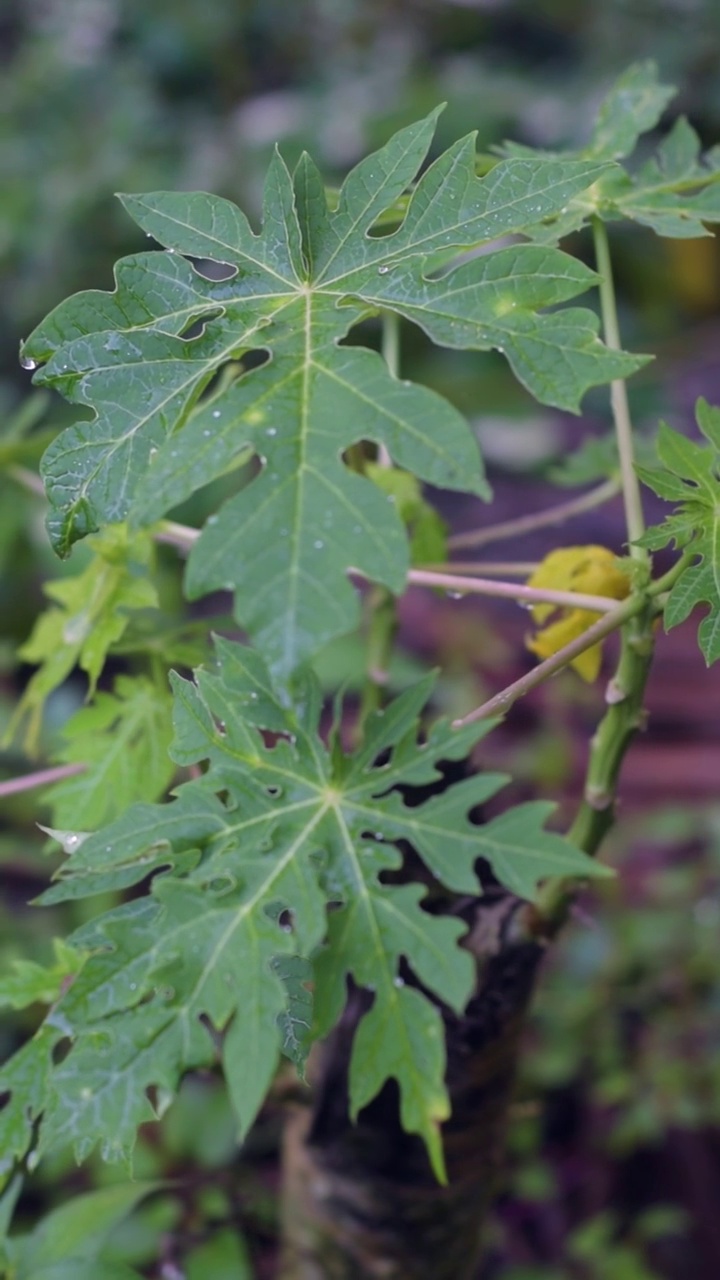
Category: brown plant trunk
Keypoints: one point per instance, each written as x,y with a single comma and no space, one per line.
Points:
360,1201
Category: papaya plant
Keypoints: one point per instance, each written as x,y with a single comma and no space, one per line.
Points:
313,889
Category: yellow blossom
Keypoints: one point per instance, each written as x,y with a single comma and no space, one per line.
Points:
591,570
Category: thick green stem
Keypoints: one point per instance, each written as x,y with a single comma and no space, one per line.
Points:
624,717
634,519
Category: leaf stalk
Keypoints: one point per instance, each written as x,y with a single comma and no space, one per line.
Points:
634,519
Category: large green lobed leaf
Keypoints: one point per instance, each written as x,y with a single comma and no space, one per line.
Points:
138,360
272,868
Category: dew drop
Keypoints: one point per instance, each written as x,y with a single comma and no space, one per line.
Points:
454,595
271,431
216,413
133,986
207,432
382,271
398,982
318,544
27,363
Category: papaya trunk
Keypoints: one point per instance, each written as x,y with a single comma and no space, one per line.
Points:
359,1200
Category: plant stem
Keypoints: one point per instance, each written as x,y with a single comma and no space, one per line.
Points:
28,479
502,701
41,778
380,637
490,568
625,713
634,518
538,520
177,535
391,341
390,346
622,613
509,591
624,717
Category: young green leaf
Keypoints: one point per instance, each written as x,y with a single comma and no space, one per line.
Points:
91,612
633,107
286,542
122,739
690,477
675,192
31,983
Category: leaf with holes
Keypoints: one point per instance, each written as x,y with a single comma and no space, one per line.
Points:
255,850
142,357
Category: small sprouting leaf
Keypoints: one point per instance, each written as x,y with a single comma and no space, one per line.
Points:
90,613
273,862
633,106
590,570
142,357
32,983
674,192
427,529
690,478
122,738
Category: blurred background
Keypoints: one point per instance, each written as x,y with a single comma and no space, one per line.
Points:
614,1167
